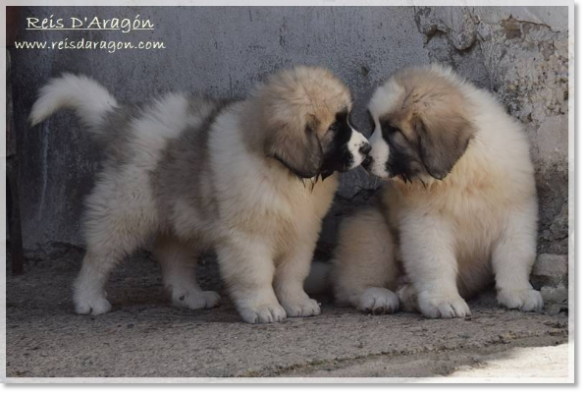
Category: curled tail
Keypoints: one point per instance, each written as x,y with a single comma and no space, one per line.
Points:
90,100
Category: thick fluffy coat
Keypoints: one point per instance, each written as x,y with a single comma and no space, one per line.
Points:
198,173
459,211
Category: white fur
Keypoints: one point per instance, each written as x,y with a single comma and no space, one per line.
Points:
264,233
262,208
121,212
356,141
89,99
379,153
480,222
377,300
385,96
259,219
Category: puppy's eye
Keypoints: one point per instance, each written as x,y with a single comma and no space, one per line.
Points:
388,129
334,126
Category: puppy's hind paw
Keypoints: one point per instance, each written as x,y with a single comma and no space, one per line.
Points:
378,300
526,300
92,306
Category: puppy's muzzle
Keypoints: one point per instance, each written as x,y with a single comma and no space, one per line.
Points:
365,149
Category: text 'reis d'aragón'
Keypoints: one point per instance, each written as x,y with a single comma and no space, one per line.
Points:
125,25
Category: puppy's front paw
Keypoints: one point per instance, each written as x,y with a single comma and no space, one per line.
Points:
525,300
442,306
378,300
266,313
196,299
300,308
91,305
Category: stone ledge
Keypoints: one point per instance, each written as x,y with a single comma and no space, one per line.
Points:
550,270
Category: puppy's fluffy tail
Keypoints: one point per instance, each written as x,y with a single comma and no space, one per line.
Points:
90,100
319,280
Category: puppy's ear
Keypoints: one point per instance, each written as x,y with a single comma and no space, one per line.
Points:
441,142
298,150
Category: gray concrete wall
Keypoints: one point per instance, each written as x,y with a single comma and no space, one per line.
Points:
519,53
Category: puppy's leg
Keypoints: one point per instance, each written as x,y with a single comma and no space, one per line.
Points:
89,295
512,259
117,221
429,261
247,267
109,242
178,263
290,277
364,265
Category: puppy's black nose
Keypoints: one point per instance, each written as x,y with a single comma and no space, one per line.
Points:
365,149
367,163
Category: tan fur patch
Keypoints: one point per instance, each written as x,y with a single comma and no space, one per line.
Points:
288,116
432,115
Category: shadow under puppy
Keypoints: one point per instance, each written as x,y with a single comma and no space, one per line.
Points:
460,209
252,179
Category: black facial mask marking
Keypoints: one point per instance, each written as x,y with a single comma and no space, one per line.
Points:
403,160
337,156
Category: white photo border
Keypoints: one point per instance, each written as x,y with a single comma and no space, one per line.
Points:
572,162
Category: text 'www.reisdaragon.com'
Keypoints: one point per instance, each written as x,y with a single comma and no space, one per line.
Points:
110,46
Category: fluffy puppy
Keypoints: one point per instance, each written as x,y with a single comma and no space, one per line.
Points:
252,179
459,211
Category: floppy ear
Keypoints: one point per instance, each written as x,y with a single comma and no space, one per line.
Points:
442,142
298,150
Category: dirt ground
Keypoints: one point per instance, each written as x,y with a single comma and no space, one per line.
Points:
143,336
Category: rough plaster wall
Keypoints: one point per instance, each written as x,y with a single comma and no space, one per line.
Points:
520,53
222,52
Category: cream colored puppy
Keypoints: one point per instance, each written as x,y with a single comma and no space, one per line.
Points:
253,179
459,211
